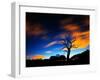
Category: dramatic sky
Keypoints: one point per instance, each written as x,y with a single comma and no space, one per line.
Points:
44,33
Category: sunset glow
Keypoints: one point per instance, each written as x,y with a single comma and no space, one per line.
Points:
38,57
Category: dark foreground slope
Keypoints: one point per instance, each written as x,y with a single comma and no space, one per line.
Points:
82,58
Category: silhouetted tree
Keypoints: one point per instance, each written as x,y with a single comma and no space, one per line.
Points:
68,44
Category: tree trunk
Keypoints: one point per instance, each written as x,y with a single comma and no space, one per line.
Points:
68,54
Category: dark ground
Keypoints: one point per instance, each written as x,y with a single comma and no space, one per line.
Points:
78,59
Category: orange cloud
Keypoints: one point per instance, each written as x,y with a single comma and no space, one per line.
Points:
82,39
35,29
72,27
38,57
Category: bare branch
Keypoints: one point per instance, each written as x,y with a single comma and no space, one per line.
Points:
63,49
73,40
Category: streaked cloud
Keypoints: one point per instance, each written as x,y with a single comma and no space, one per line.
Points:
51,44
48,52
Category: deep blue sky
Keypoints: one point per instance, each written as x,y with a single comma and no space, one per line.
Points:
42,29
